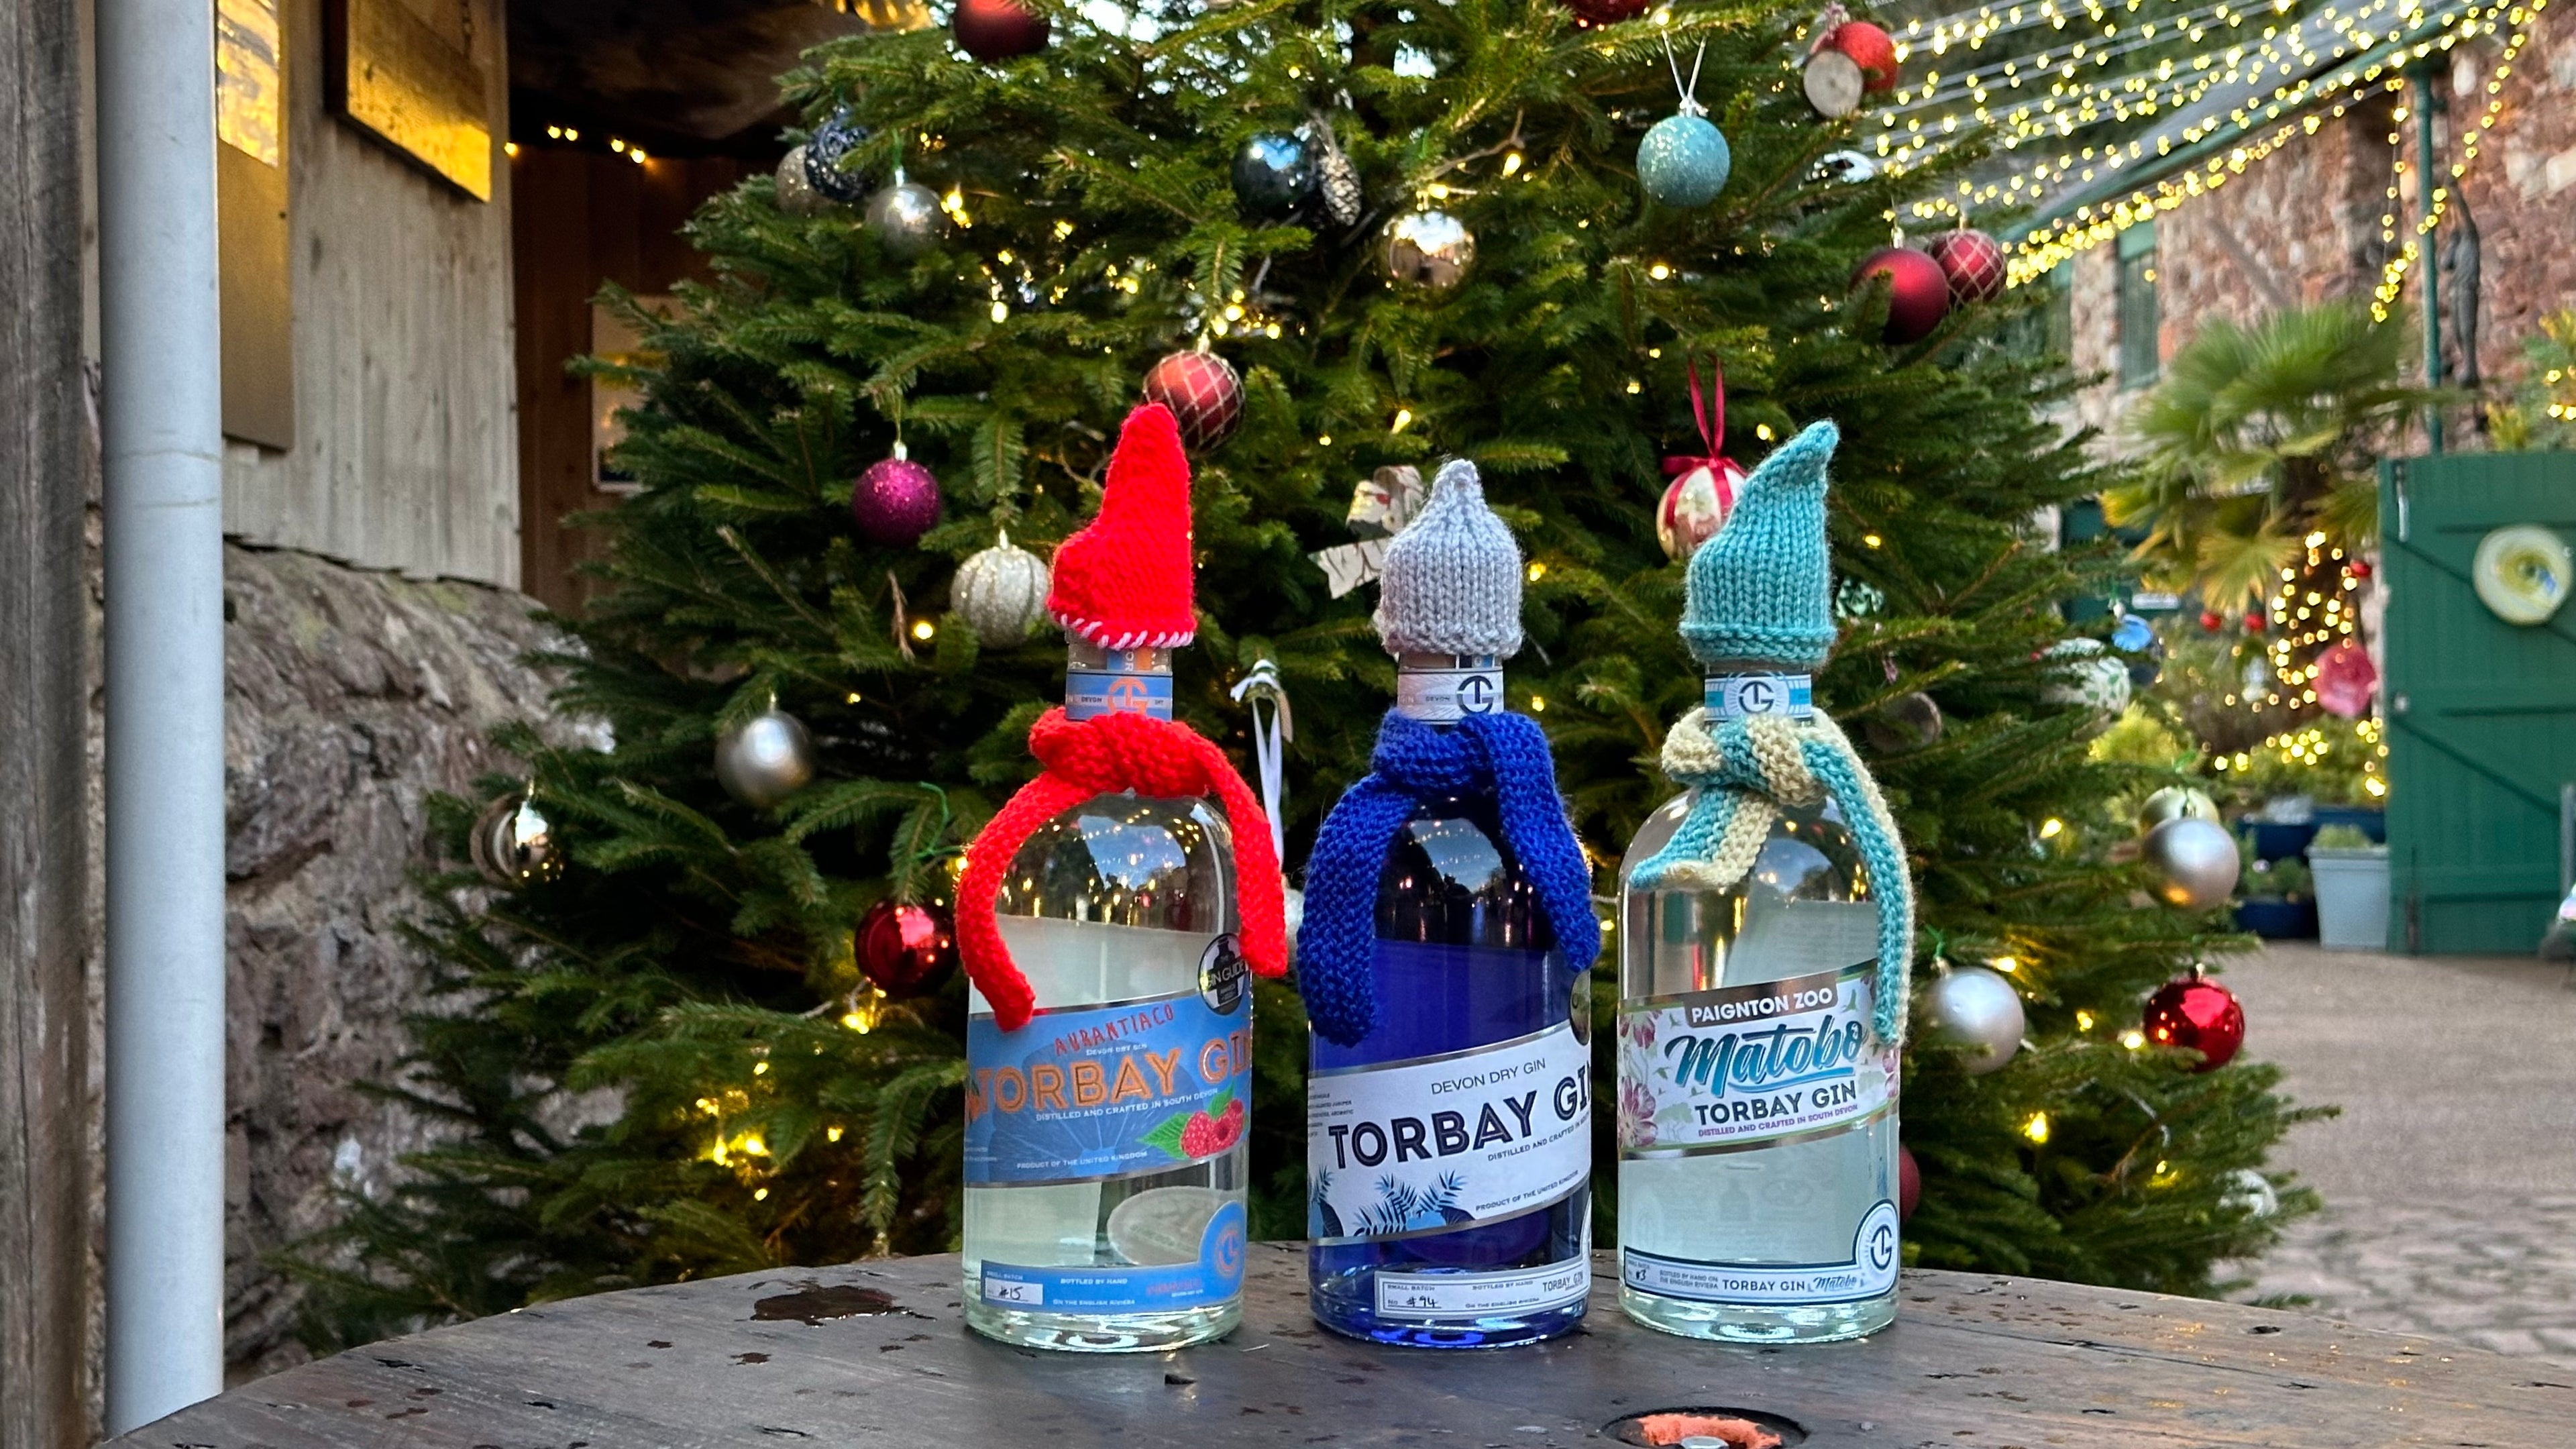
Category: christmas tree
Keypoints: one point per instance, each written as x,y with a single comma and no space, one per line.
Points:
1413,232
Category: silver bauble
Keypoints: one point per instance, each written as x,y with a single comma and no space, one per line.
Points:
2176,802
2195,863
1001,593
1847,168
767,759
1977,1010
796,194
1907,722
513,843
2251,1193
1428,249
907,219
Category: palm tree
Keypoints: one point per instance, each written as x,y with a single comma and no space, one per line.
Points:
2259,438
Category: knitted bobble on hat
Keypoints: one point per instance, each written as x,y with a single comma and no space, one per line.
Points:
1452,581
1123,582
1762,590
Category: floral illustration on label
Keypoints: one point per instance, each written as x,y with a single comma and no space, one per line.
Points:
1748,1064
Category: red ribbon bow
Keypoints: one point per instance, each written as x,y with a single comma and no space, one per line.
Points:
1157,758
1710,411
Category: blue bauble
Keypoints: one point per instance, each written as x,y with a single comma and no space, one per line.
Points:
833,140
1273,176
1683,161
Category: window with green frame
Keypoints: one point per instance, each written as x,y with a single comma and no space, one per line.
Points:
2135,291
2047,328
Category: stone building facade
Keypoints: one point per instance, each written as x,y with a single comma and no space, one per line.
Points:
2310,222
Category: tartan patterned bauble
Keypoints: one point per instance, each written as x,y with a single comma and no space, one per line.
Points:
895,501
1974,263
1203,392
992,30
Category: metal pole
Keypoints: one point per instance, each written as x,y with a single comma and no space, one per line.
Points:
2427,269
162,451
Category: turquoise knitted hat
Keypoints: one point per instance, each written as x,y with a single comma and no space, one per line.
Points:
1762,589
1452,582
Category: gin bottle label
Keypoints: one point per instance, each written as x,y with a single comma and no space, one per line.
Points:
1868,1273
1748,1066
1439,1143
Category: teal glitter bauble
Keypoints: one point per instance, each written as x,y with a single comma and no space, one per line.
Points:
1683,161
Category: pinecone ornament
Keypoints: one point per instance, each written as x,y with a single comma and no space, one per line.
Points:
1337,180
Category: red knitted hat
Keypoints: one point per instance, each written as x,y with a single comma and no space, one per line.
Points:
1123,582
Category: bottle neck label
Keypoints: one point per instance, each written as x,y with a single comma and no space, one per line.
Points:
1740,696
1118,681
1446,688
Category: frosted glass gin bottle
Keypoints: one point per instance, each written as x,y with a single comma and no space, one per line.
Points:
1449,1151
1757,1109
1105,1140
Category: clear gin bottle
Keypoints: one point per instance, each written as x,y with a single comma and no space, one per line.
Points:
1105,1148
1757,1109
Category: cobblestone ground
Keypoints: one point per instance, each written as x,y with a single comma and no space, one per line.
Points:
2450,1178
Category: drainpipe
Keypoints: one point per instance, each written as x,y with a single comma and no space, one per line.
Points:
2428,269
162,453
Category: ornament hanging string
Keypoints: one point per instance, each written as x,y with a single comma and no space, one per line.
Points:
1689,90
1831,19
1709,412
1259,687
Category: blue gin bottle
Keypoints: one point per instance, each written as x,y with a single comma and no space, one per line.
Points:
1449,1092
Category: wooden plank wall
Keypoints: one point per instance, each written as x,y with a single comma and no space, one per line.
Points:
406,452
584,218
45,1161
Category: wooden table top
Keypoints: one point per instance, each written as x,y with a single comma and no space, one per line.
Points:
885,1360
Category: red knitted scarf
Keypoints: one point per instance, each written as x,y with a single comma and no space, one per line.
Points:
1105,754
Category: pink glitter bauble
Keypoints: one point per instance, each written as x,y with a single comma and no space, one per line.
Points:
896,502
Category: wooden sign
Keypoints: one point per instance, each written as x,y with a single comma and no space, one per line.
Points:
405,72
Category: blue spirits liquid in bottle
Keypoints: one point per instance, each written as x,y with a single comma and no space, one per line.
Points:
1449,1152
1105,1148
1757,1109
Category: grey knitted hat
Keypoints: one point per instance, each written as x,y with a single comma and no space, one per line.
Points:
1452,583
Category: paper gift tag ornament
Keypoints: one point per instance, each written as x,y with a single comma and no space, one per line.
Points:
1381,506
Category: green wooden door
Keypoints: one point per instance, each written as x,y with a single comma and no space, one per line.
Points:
2481,714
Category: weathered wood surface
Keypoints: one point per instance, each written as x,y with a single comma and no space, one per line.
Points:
1972,1361
44,1073
406,448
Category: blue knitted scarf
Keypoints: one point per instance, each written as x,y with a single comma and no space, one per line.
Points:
1741,774
1504,756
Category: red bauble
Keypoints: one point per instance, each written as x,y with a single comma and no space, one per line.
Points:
2210,621
905,948
1974,263
1695,504
1607,12
2359,568
1909,1182
1870,48
895,502
999,29
1918,293
2196,1012
1203,392
2253,621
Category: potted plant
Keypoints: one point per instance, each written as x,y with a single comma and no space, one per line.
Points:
2351,877
2275,903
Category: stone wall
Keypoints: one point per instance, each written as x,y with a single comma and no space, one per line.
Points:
2306,223
350,696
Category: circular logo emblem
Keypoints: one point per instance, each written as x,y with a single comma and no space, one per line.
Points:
1476,694
1757,696
1878,1240
1128,695
1224,979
